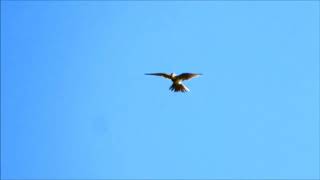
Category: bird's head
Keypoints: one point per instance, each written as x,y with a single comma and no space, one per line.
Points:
172,75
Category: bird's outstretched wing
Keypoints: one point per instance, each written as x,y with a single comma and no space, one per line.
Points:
160,74
187,76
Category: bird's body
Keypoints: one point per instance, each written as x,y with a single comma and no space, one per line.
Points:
177,85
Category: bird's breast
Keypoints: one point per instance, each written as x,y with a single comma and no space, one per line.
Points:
176,81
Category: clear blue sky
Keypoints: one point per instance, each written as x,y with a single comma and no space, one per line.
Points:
75,102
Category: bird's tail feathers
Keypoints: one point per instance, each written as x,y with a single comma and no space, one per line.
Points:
179,88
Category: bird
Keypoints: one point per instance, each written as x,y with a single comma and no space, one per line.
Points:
177,85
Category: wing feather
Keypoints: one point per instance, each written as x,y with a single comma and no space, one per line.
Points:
187,76
160,74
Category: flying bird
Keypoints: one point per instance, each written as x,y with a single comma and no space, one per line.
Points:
177,85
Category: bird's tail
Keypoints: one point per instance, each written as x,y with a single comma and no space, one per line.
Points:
179,88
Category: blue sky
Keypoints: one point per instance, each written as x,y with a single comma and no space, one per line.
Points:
75,102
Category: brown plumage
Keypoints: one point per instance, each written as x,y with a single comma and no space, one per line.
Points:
177,85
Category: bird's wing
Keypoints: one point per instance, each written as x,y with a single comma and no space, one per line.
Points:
187,76
160,74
